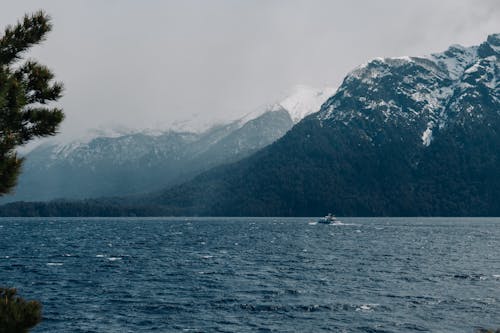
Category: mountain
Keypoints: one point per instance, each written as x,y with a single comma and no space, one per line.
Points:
127,163
410,136
401,136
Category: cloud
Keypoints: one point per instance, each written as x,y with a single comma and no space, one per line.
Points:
140,64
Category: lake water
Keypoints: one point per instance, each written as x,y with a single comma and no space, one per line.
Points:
256,274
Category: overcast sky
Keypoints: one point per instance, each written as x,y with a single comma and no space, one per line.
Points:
144,64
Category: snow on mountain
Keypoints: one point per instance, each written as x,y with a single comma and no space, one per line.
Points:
123,161
455,59
423,92
305,100
299,102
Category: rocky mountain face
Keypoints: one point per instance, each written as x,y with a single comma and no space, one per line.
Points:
141,162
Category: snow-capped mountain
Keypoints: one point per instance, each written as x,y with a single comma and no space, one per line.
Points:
424,94
119,162
401,136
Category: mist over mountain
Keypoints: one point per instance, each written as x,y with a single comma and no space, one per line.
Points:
121,163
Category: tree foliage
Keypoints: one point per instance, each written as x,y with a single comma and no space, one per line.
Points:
16,314
25,90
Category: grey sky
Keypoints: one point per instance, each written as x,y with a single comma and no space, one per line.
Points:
143,63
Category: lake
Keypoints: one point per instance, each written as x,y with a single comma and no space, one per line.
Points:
256,274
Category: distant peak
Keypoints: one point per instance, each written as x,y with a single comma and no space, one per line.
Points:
494,39
491,47
303,100
299,101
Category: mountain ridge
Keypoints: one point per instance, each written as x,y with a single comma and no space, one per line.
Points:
120,163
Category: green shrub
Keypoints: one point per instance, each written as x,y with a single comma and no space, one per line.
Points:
16,314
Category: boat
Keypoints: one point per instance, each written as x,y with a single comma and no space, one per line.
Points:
329,219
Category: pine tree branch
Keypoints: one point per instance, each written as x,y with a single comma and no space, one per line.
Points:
39,122
20,37
37,79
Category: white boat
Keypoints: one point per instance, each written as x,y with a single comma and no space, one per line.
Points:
329,219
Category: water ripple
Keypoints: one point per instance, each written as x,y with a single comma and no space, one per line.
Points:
255,275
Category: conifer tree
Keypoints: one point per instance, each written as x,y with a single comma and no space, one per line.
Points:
26,89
